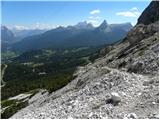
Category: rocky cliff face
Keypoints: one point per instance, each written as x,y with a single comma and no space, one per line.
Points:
121,84
141,31
150,14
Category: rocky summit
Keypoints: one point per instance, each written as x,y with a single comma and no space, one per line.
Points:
122,83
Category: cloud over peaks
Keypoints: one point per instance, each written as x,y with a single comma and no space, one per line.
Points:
133,12
134,9
95,11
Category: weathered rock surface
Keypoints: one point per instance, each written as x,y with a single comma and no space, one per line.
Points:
142,31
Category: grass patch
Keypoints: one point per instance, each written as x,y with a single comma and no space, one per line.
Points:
14,106
6,103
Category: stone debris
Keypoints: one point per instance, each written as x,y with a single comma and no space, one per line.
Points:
131,116
114,99
89,101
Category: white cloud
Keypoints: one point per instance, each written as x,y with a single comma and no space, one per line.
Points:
134,9
95,12
126,14
19,27
97,17
137,13
133,12
37,25
91,17
94,22
94,17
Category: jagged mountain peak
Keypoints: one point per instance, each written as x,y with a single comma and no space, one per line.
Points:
81,25
84,25
104,22
103,25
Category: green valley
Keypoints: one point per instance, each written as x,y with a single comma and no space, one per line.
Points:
49,69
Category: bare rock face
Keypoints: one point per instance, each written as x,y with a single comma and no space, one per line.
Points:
147,25
142,31
150,14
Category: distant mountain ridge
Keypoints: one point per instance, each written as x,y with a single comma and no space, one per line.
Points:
79,35
10,36
7,35
7,38
14,34
20,34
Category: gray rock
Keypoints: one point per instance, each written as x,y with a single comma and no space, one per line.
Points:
131,116
114,99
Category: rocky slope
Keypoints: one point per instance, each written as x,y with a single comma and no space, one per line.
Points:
121,84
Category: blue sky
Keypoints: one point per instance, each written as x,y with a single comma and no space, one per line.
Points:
52,14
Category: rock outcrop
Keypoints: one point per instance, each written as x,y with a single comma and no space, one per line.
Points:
121,84
142,31
150,14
